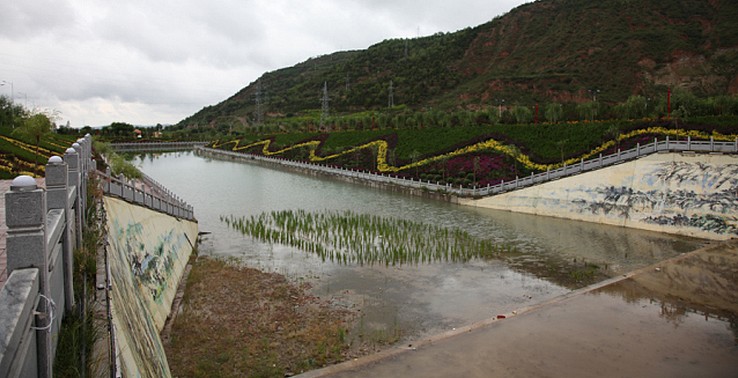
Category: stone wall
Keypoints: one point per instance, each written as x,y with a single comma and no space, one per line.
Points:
686,194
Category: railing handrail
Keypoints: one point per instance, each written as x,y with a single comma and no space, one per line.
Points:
148,146
158,197
598,162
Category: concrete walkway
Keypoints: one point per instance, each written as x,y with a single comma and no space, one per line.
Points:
676,319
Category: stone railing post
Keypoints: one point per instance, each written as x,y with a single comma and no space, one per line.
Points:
25,217
57,197
71,157
82,188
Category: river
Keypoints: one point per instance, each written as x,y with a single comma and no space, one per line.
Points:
408,301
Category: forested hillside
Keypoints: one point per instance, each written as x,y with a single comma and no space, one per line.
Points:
551,51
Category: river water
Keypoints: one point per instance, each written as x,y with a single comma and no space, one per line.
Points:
409,301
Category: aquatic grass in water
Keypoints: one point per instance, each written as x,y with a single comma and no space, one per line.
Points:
350,238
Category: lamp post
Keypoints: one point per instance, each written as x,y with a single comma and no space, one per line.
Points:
12,102
594,93
25,95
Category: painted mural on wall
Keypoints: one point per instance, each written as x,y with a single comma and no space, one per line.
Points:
676,193
694,195
147,254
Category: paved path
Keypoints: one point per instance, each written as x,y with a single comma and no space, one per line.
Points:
675,319
4,187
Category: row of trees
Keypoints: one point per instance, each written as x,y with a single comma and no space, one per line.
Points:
680,106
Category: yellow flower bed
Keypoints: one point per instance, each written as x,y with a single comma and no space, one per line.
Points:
28,147
488,145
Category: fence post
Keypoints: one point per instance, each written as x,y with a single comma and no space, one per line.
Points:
57,197
689,142
25,217
72,159
712,144
81,189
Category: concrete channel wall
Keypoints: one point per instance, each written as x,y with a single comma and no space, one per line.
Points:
679,193
147,253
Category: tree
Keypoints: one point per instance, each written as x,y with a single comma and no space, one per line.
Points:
415,156
515,154
11,113
522,114
476,168
554,112
588,110
561,143
120,129
35,128
636,106
614,132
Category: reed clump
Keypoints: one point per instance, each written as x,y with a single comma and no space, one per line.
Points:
362,239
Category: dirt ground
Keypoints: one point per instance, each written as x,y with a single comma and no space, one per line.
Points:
238,322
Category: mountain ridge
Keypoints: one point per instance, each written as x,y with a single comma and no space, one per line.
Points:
545,51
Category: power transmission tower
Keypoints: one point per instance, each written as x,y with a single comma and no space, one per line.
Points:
391,96
259,102
324,105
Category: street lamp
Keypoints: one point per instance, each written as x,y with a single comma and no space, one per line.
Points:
594,93
12,101
25,95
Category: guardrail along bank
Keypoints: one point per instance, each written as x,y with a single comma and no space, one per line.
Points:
138,271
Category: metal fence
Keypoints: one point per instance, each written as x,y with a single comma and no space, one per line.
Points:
601,161
156,146
146,192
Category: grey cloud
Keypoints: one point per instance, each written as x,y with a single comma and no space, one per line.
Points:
140,59
25,19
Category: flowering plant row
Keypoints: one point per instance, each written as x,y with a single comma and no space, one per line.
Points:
27,147
486,147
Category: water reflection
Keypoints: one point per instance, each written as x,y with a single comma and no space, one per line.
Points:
553,254
701,284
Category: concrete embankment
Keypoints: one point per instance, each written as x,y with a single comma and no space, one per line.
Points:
147,254
686,194
673,319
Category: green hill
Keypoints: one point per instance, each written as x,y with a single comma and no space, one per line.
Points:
565,51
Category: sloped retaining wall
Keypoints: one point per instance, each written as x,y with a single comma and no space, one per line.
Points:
147,255
687,194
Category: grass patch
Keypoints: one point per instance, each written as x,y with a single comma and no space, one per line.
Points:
239,322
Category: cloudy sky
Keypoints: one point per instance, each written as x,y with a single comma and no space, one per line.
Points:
146,62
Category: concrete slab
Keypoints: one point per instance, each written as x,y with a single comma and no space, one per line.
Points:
676,319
